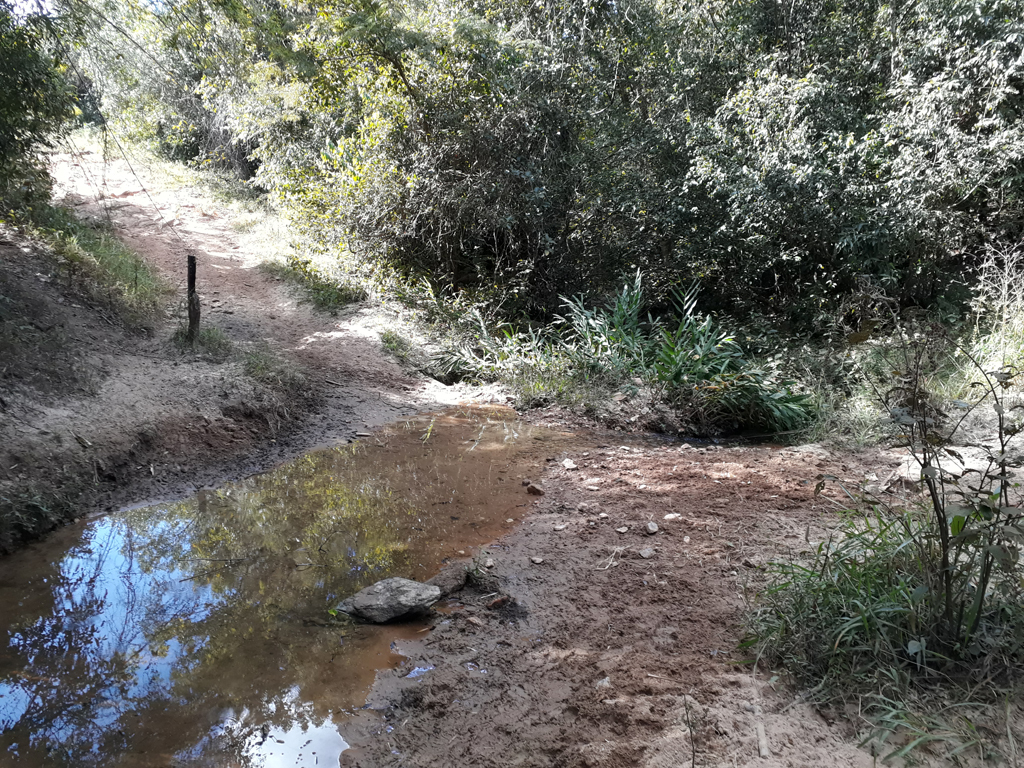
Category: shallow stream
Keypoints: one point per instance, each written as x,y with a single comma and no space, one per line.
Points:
199,632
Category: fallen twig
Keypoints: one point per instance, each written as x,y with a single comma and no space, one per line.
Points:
611,559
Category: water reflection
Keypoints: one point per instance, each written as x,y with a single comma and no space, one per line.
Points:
197,633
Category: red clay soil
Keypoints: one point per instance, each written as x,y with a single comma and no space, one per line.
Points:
618,648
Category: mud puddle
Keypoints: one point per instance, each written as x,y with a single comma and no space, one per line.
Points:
199,632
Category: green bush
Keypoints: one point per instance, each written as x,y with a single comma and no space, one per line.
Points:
689,362
776,153
35,102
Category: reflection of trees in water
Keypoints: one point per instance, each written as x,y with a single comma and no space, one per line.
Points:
81,667
188,611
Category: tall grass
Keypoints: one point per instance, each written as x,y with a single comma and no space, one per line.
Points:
999,309
686,361
926,594
91,258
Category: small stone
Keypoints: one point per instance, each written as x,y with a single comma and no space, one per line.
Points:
582,507
686,539
604,682
623,529
510,520
489,563
672,516
526,482
475,620
592,488
534,490
569,464
652,528
646,553
536,560
559,527
603,515
363,434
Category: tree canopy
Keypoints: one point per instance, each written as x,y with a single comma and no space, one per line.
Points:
34,102
777,153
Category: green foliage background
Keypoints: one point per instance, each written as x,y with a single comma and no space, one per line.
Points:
34,103
527,151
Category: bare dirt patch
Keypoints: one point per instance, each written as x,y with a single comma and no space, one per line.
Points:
588,645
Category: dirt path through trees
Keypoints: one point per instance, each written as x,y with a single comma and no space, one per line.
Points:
108,416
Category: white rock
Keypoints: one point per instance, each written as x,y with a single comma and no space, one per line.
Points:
652,528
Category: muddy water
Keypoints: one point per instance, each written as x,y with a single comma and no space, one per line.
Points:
199,632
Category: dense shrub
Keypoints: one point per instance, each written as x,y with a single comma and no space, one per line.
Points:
34,102
524,152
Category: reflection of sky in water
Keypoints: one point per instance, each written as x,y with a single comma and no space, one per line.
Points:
197,628
300,743
95,651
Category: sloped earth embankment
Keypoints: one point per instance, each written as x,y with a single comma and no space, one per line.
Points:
94,415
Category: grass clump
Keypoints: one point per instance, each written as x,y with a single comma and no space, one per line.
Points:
91,258
323,291
396,344
210,342
685,361
263,365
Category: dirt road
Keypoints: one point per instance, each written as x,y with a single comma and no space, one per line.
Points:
102,416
